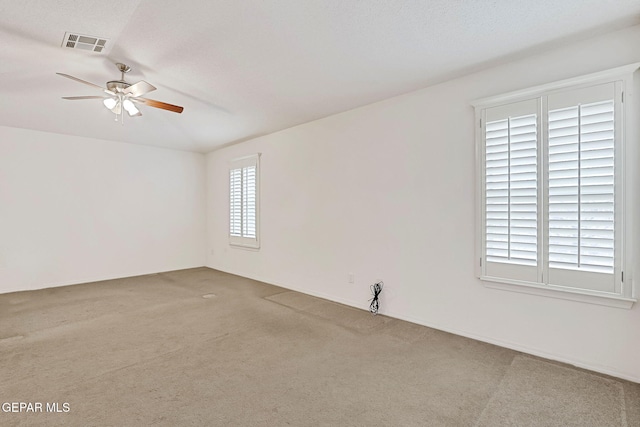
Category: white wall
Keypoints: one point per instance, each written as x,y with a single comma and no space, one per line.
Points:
387,192
75,209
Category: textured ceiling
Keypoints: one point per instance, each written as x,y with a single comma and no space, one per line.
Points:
243,68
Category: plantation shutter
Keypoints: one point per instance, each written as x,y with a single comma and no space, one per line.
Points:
550,208
249,201
582,188
235,202
511,160
243,201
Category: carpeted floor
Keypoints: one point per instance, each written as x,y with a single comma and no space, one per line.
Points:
201,347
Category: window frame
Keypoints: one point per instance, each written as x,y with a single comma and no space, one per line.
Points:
240,163
624,295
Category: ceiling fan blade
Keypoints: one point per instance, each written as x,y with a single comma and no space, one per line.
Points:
74,98
139,88
158,104
80,80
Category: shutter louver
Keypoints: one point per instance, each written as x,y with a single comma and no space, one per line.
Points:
511,190
581,187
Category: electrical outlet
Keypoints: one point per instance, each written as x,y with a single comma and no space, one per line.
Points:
211,251
351,278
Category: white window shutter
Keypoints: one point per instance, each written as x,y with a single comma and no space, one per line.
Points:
244,201
511,191
551,213
249,202
582,188
235,202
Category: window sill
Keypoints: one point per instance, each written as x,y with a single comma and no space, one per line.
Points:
244,242
590,297
247,246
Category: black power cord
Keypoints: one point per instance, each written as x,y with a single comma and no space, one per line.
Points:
376,289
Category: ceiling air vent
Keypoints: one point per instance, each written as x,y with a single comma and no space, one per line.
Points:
84,42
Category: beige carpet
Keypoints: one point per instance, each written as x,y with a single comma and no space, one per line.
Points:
534,392
201,347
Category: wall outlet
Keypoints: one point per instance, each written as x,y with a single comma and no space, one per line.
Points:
351,278
211,251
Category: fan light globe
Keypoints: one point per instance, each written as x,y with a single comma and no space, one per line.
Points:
109,103
128,105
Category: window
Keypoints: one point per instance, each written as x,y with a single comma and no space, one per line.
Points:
551,190
243,201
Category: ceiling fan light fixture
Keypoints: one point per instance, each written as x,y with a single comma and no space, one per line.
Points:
110,103
131,109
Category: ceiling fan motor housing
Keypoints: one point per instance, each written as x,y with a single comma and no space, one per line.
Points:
117,85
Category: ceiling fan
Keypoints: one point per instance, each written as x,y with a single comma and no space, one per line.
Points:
120,96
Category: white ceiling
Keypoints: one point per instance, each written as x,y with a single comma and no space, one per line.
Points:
243,68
